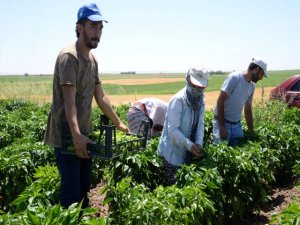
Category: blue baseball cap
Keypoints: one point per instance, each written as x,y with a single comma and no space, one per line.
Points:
91,12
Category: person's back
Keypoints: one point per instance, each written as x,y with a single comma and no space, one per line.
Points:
149,109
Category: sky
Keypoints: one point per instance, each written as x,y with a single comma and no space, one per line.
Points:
154,35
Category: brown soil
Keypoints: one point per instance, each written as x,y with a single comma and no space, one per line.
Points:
142,81
282,196
210,97
96,200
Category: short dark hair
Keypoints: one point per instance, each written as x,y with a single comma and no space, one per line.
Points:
253,66
81,22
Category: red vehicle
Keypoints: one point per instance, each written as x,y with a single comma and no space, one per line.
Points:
289,91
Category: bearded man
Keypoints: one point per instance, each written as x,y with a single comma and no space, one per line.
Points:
75,83
237,93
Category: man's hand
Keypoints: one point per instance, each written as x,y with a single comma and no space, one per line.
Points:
251,135
122,127
223,133
200,150
80,142
195,151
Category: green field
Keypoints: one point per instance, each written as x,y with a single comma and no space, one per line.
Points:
29,87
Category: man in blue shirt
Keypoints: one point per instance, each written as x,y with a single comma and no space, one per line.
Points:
237,93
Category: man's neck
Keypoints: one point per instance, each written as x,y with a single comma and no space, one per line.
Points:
247,76
83,49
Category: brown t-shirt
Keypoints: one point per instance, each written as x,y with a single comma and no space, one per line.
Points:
73,69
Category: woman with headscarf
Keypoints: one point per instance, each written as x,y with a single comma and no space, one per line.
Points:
183,132
148,109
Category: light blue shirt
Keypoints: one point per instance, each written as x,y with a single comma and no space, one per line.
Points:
239,91
174,141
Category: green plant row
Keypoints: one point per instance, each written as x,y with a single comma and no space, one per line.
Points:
242,181
22,149
36,204
22,126
225,186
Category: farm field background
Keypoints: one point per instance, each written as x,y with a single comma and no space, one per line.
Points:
228,185
126,88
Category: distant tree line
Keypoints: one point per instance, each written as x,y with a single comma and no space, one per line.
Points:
129,72
218,72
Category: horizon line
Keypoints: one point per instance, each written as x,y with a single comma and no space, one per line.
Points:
131,72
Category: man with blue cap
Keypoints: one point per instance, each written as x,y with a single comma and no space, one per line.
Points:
75,83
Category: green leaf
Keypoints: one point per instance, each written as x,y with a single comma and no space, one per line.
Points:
125,168
296,221
107,200
103,189
33,218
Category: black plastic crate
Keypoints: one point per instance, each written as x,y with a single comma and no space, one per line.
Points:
106,146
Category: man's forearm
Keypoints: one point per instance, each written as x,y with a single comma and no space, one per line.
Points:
249,117
220,106
69,93
107,109
71,116
221,117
